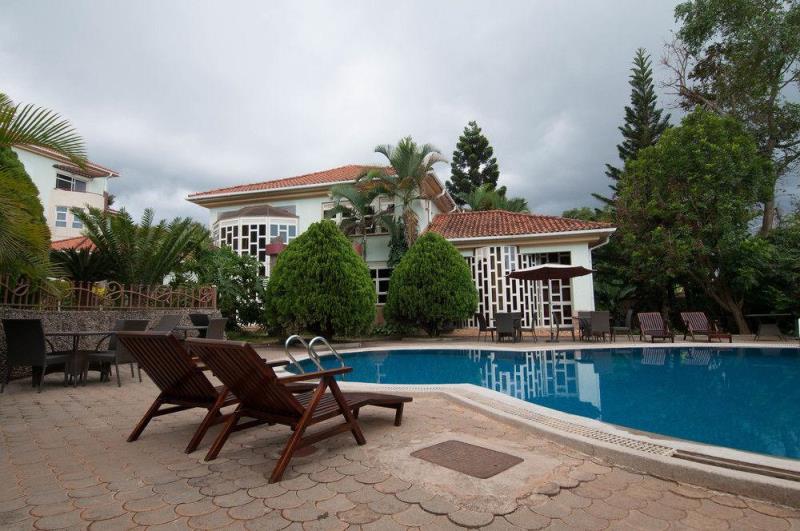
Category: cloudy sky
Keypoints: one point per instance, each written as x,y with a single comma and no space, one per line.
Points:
187,96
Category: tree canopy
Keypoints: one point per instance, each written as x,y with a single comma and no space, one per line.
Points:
644,123
487,197
741,58
473,164
684,207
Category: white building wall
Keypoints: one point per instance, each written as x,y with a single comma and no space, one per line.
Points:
582,287
43,175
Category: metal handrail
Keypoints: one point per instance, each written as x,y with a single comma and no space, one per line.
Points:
314,358
333,350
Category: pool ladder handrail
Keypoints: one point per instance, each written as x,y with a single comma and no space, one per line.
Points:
311,354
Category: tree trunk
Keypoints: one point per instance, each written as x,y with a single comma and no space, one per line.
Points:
410,220
734,308
768,219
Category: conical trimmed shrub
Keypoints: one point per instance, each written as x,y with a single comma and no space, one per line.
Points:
431,286
320,284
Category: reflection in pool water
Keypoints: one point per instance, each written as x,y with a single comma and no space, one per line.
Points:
741,398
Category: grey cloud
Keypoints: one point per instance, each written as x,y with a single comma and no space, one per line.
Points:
185,96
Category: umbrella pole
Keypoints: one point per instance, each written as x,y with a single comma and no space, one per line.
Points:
552,339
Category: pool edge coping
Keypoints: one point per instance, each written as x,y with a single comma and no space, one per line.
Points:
732,481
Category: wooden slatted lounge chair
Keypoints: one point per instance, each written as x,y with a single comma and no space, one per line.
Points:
697,324
267,399
653,324
183,385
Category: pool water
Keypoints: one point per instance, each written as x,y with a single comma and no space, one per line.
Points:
744,398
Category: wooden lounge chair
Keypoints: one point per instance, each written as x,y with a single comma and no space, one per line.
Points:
697,324
183,385
267,399
653,324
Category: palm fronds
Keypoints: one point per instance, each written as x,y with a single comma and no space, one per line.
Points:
29,124
486,197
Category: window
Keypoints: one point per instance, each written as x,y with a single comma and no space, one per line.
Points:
381,278
61,216
76,223
283,231
64,182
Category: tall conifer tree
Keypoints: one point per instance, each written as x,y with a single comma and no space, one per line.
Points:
473,164
644,123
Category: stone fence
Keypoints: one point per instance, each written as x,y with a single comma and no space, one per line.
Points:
56,321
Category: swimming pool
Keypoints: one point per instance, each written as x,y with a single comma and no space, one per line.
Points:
743,398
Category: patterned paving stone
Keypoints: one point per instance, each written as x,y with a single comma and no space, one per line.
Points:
360,514
552,509
524,518
249,511
156,517
269,522
267,491
234,499
288,500
438,505
60,521
471,519
327,475
104,511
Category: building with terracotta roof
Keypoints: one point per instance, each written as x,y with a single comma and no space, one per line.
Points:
62,186
261,218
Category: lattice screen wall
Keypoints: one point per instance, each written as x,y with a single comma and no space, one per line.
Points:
497,293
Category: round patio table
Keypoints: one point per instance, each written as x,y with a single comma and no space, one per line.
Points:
79,357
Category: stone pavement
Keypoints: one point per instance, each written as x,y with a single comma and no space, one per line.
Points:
64,463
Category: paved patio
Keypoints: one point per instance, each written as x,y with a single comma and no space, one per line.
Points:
64,463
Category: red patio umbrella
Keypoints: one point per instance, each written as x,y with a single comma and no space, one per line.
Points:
550,272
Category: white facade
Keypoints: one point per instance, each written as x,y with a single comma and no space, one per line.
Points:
490,257
60,190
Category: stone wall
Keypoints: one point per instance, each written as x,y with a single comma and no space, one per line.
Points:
56,321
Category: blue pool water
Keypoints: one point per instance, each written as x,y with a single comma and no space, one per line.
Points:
742,398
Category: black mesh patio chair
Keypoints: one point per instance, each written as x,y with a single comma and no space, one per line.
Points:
167,323
627,329
27,347
505,326
483,326
216,328
115,353
600,325
585,325
200,319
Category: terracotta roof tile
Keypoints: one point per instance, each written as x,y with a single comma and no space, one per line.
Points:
77,243
335,175
502,223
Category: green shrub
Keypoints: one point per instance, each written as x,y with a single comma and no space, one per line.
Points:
431,286
320,284
24,235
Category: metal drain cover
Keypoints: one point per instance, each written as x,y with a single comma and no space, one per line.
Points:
469,459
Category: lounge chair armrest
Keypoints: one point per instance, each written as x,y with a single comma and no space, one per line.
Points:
277,363
52,347
315,375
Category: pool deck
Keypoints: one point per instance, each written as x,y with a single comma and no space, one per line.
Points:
65,464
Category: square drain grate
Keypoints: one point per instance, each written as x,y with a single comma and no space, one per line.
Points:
469,459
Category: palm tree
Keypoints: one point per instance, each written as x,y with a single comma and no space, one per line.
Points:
486,197
410,164
41,127
358,214
143,253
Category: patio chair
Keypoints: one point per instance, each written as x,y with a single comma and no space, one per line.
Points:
216,328
27,347
696,323
264,397
114,352
654,325
199,319
182,384
600,324
584,325
627,329
166,323
505,326
483,326
532,327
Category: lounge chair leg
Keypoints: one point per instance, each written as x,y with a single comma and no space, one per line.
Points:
41,378
116,366
355,413
219,442
398,416
348,414
293,443
212,414
145,420
6,378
